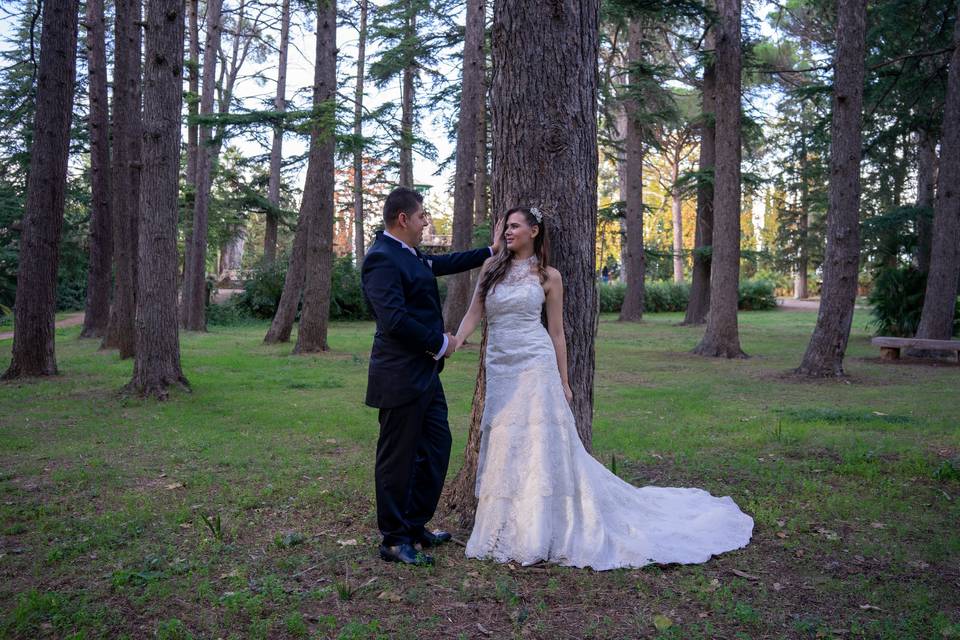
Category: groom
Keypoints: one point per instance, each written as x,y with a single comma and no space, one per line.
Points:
408,351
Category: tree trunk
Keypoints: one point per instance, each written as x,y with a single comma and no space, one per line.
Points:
194,98
407,102
699,303
193,312
96,315
36,298
926,181
722,338
544,141
634,260
460,498
471,104
801,279
936,320
282,324
481,207
156,366
677,207
125,176
359,250
319,187
841,266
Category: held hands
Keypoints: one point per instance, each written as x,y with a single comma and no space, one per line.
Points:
452,345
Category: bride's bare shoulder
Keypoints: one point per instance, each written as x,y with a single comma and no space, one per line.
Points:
553,275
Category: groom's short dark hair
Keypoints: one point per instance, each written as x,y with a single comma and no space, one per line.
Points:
400,200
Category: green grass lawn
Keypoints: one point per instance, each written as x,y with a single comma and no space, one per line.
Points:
245,508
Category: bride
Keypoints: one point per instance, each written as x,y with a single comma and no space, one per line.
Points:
542,497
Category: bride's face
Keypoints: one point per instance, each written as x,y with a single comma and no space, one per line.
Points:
518,233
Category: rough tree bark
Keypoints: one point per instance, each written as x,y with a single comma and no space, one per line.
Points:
721,338
193,312
36,297
156,366
471,104
359,250
926,182
699,303
936,319
634,258
96,314
545,140
841,266
125,175
407,106
319,188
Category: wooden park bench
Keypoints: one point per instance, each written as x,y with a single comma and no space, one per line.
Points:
890,347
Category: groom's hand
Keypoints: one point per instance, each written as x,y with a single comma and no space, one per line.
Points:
452,345
498,236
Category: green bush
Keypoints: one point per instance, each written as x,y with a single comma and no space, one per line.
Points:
897,300
262,290
756,295
665,295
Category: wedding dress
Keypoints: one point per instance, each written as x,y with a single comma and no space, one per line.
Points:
542,497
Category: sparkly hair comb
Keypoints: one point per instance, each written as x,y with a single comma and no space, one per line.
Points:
537,213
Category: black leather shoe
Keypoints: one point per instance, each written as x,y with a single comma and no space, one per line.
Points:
434,538
406,554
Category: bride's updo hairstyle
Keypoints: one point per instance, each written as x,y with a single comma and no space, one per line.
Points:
501,261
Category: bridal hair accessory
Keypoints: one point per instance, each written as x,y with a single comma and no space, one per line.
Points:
537,213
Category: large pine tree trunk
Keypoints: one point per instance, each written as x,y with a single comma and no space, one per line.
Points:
125,175
722,338
545,154
699,303
282,324
359,250
471,105
318,189
936,319
36,301
276,148
96,315
634,258
841,266
481,205
156,366
193,312
926,182
407,105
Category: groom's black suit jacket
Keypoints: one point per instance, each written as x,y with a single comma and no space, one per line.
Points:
401,288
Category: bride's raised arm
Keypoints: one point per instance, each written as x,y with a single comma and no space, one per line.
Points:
475,313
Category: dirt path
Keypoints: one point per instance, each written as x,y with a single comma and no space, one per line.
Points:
71,320
792,304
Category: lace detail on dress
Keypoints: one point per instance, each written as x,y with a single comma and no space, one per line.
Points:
521,271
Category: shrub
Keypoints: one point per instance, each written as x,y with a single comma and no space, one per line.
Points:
664,295
897,300
262,290
756,295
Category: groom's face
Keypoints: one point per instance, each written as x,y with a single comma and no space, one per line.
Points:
414,224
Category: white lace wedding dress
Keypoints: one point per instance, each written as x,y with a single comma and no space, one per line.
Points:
542,497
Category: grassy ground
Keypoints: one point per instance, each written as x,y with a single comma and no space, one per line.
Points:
245,509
